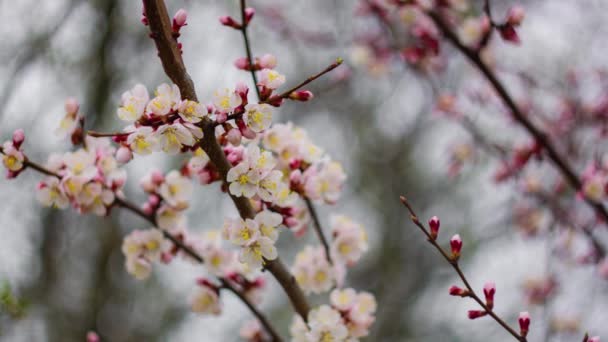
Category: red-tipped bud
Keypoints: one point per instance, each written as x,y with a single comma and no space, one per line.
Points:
456,245
18,137
509,34
92,337
234,137
516,15
473,314
275,101
229,21
249,13
459,291
434,225
242,63
123,155
524,323
180,17
301,95
489,290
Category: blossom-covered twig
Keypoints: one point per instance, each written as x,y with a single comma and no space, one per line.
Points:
487,306
179,244
170,55
540,137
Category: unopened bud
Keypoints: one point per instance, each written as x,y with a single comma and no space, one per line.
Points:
434,224
301,95
524,323
456,245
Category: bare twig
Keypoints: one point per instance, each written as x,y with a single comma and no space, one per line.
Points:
454,263
318,229
243,30
540,137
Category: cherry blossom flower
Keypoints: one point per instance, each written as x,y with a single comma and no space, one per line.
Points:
312,270
255,251
176,190
134,103
205,300
12,158
50,194
191,111
349,240
258,117
271,79
225,100
268,222
141,248
326,324
172,137
143,140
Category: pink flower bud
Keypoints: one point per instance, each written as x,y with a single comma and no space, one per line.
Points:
489,290
524,323
234,137
594,339
249,13
473,314
242,63
248,133
179,19
301,95
124,155
509,34
516,15
268,61
147,208
221,118
71,106
291,222
154,200
458,291
18,137
456,245
228,21
157,177
92,337
434,225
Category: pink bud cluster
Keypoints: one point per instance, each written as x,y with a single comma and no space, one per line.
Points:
231,22
13,158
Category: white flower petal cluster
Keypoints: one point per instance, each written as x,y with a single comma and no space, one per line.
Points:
142,248
90,178
313,272
349,240
346,320
256,237
164,123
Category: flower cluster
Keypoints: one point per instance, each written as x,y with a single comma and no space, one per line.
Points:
349,240
255,237
347,319
88,178
165,122
142,248
169,196
13,158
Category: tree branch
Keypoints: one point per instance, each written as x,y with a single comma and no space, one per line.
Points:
540,137
456,267
173,65
318,228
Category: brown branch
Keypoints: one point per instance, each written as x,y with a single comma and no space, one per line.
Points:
454,263
121,202
173,65
107,134
286,94
258,314
318,228
540,137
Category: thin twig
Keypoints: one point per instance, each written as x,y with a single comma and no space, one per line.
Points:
107,134
318,229
170,55
454,263
286,94
540,137
243,30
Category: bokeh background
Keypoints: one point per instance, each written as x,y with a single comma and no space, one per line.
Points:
63,275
